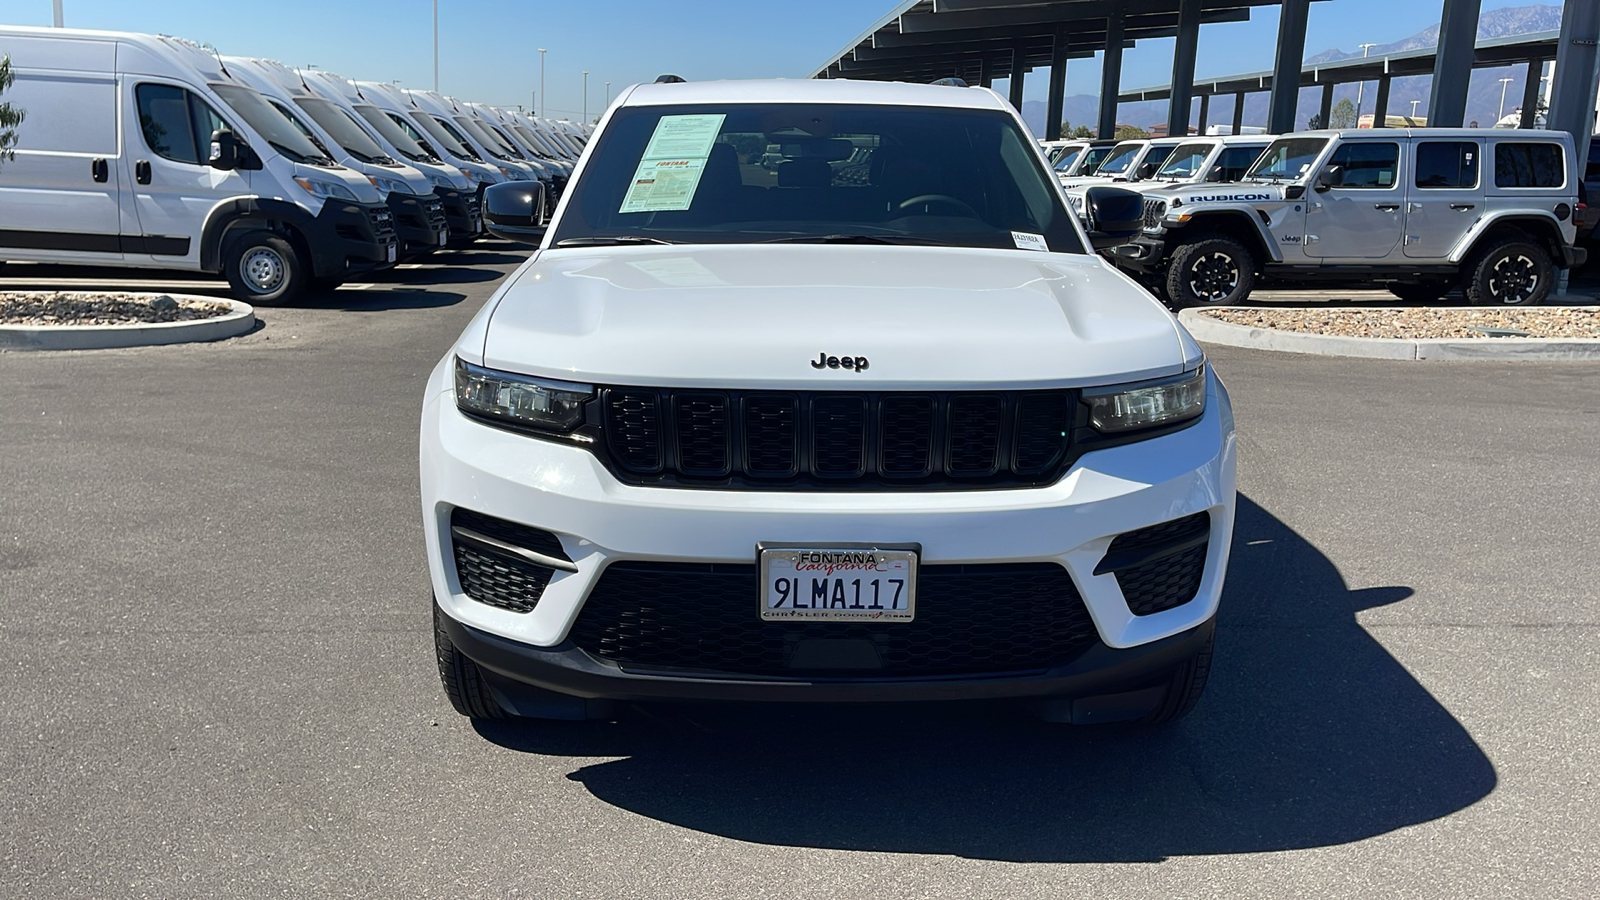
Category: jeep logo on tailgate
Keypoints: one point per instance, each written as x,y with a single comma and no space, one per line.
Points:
824,361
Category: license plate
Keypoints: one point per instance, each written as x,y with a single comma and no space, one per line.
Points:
444,238
391,253
838,585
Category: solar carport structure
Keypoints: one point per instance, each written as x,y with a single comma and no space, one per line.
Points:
981,40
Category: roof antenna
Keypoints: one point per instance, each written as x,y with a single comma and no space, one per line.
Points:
303,79
221,63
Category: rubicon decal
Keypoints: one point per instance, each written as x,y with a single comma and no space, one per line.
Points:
824,361
1224,198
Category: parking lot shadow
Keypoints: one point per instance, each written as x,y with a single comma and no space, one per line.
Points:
1310,734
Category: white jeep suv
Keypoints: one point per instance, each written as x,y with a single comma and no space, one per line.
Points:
872,427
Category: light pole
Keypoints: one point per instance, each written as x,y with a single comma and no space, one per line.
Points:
541,78
55,7
1361,86
585,95
608,95
1414,108
1504,83
436,46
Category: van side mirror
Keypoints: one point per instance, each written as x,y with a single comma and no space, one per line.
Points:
1331,177
226,150
1114,215
515,211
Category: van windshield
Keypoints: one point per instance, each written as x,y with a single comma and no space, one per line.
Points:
449,141
841,173
338,123
532,140
395,135
481,135
277,131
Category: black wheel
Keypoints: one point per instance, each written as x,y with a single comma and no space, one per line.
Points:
1421,294
463,681
1212,271
1512,272
263,269
1188,683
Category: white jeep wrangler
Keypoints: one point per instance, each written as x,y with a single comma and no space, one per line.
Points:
1420,210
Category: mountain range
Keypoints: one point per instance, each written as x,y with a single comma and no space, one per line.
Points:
1483,95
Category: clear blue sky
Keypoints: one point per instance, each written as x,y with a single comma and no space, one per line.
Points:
488,48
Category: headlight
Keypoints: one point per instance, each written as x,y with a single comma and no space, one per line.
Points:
520,399
1147,404
393,186
439,181
326,189
1076,202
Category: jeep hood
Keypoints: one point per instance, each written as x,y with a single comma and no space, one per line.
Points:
759,316
1205,192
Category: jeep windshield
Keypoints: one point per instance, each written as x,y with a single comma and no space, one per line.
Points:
1122,156
840,173
1286,159
1185,162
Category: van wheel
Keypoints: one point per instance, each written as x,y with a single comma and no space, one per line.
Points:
1188,683
1422,293
463,681
1213,271
1513,272
263,269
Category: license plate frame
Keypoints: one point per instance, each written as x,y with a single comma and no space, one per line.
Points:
392,253
839,566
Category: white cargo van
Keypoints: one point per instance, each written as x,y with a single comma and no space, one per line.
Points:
442,112
425,130
141,150
419,221
456,188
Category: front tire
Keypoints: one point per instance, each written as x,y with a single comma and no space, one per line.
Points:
263,269
462,679
1188,683
1512,272
1212,271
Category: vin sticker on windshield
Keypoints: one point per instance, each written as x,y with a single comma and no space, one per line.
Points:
1028,241
673,162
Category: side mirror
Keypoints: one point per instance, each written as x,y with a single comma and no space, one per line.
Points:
226,150
515,211
1115,216
1331,177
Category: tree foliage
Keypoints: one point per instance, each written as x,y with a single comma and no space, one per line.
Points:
1343,114
1074,132
1130,133
10,116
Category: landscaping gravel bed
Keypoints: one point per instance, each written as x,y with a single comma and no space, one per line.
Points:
1420,323
83,308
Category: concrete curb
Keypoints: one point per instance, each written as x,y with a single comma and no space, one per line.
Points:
105,337
1213,331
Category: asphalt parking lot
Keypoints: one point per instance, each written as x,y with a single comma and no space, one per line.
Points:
219,679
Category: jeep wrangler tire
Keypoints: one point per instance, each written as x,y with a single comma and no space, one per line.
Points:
263,269
1513,271
463,681
1212,271
1421,294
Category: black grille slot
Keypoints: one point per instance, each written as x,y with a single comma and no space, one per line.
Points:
975,435
435,213
778,439
633,430
1169,563
970,619
382,224
702,421
838,435
906,427
496,577
772,435
1154,211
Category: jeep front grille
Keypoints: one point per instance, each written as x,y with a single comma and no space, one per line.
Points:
1154,211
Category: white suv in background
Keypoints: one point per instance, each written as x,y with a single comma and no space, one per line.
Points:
869,427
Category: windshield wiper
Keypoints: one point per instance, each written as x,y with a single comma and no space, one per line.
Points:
856,239
612,240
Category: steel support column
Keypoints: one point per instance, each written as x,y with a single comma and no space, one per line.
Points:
1325,112
1572,99
1452,65
1205,112
985,72
1111,76
1058,87
1530,93
1286,68
1380,113
1183,55
1238,112
1019,60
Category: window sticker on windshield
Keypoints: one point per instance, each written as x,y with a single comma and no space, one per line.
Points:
1028,241
672,165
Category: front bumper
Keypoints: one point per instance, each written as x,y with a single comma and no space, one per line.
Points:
1144,253
461,213
599,521
419,222
348,238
